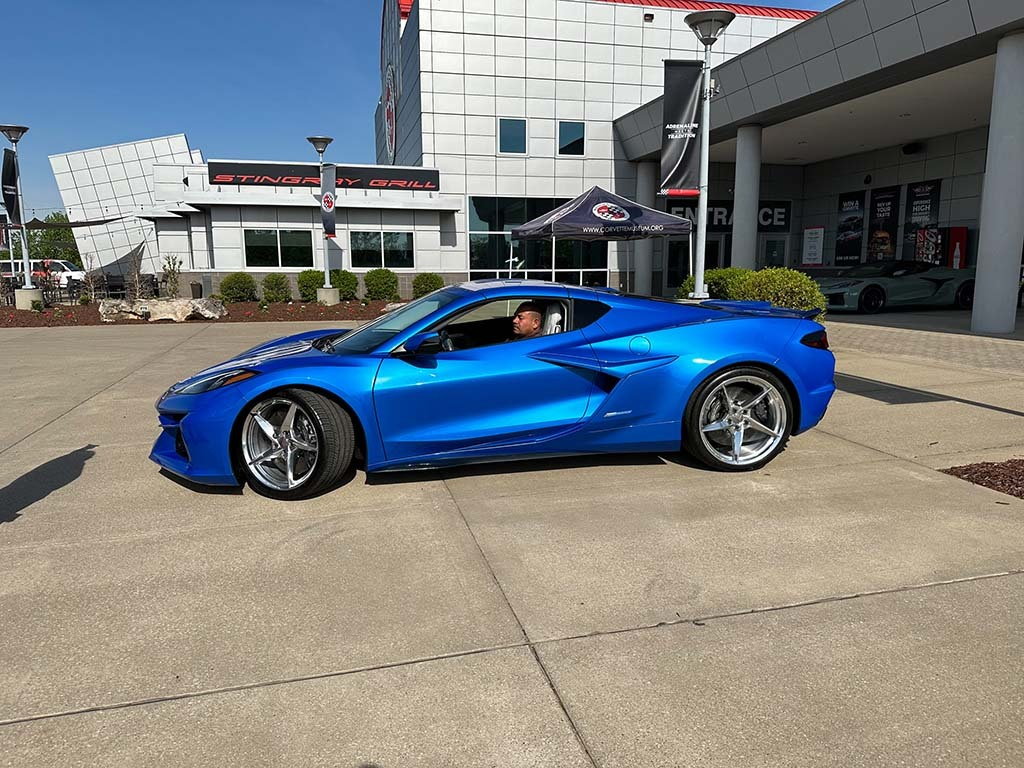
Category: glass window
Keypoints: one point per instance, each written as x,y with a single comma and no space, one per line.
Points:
488,251
570,138
398,250
511,136
386,327
366,252
585,312
296,248
261,248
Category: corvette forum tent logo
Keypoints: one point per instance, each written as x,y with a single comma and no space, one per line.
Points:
610,212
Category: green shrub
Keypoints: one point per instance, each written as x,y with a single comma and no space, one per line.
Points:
218,297
381,285
37,306
238,286
426,282
276,288
783,288
84,300
346,282
309,280
722,283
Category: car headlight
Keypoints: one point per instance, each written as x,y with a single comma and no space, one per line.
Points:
213,381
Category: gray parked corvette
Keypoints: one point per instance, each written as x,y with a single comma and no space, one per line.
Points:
872,287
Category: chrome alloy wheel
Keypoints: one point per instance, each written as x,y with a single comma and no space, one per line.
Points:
743,420
279,443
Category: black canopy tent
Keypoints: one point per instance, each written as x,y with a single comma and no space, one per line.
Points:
601,215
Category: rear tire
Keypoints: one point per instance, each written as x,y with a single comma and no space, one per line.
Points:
965,296
872,300
750,401
295,444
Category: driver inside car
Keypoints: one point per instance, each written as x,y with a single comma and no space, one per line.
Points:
527,322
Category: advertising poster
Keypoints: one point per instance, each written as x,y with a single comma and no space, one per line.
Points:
850,228
922,212
814,240
884,223
680,141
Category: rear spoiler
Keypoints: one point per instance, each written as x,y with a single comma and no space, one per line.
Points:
761,308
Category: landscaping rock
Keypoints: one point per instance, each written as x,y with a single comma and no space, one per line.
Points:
392,307
178,310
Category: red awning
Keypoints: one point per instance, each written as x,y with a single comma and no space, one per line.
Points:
405,6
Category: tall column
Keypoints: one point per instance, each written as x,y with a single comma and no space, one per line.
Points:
746,196
1002,197
643,250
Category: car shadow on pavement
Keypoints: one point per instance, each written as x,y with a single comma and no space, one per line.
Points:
896,394
36,484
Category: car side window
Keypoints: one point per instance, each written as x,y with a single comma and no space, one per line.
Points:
585,312
494,322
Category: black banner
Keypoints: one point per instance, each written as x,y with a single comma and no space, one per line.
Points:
883,223
850,228
772,215
922,213
327,186
3,234
9,186
680,142
308,175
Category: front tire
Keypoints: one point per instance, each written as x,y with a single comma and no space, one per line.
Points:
965,296
872,300
738,420
295,444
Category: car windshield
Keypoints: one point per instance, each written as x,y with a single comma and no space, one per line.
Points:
379,331
879,269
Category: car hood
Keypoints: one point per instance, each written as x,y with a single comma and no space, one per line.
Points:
257,358
837,282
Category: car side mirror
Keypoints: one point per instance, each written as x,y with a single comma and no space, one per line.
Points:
899,273
424,343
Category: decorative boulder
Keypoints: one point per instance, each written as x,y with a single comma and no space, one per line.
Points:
393,306
178,310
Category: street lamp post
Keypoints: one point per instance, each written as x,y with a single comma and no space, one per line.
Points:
14,134
707,25
327,294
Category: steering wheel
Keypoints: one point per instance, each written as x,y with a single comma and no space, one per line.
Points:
446,341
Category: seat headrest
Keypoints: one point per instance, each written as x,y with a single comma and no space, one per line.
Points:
553,319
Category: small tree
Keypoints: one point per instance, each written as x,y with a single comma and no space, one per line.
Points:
172,270
426,282
90,276
55,243
309,281
346,282
381,285
276,288
238,286
136,286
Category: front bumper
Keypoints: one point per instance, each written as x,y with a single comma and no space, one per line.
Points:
194,441
840,301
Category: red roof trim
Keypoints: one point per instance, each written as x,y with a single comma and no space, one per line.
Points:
405,7
703,5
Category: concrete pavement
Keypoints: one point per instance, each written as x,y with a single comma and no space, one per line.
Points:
847,605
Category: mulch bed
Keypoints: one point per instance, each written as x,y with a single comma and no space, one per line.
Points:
1004,476
244,312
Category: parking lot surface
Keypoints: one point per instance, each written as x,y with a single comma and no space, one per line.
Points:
847,605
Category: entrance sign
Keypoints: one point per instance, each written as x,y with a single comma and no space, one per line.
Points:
814,239
772,215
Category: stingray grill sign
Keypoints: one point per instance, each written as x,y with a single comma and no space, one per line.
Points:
308,175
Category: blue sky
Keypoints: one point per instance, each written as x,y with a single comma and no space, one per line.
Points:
241,79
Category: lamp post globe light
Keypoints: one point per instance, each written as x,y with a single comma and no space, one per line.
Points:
14,134
707,26
327,294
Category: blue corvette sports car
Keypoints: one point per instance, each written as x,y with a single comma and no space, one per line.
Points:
498,370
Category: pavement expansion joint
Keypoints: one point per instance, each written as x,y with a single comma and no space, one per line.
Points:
699,621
